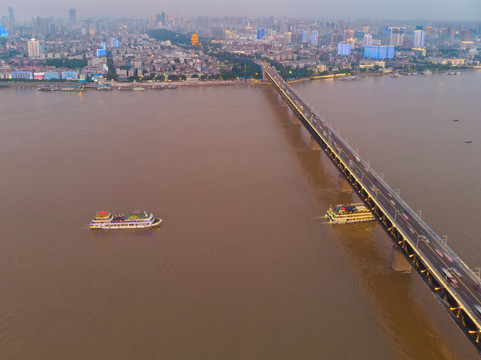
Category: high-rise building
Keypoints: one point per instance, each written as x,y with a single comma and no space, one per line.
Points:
261,33
343,49
450,33
93,28
11,15
40,25
11,20
34,49
101,52
367,40
72,14
348,34
304,37
465,35
336,38
157,22
396,35
287,37
314,38
379,52
3,32
418,39
114,43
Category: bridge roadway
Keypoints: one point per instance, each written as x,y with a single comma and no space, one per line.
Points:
452,282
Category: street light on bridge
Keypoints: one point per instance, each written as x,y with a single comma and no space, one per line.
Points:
396,214
423,238
478,273
444,239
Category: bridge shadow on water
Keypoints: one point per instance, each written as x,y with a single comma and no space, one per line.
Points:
404,310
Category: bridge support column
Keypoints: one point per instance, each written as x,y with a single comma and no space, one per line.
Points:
343,185
315,145
399,262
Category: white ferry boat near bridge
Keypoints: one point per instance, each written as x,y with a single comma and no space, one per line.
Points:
352,213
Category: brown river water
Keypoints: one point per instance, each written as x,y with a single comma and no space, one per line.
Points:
244,265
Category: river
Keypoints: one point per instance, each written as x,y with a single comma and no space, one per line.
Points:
244,265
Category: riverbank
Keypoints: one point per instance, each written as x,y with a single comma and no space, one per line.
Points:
117,85
174,84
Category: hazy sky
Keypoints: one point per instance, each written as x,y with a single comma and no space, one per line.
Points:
451,10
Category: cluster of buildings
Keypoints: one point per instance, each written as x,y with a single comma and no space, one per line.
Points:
48,75
359,45
374,49
134,55
72,49
77,49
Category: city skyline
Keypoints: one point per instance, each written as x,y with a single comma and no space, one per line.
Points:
462,10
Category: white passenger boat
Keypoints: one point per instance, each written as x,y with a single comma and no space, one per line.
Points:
142,220
344,214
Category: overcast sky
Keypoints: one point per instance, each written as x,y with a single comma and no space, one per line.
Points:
451,10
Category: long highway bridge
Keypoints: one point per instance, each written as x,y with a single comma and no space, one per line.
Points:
453,283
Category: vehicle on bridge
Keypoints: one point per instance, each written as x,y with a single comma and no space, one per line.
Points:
450,277
439,252
425,239
456,271
478,310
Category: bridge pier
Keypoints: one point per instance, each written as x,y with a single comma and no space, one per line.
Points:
399,262
343,185
315,145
